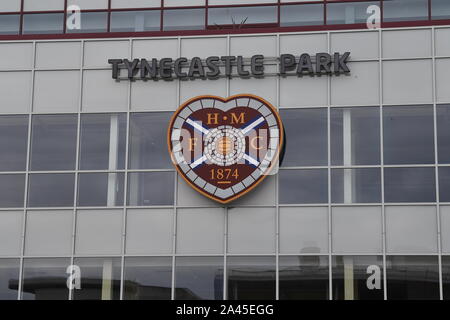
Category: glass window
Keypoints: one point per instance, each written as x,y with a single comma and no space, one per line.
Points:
356,185
440,9
148,135
13,143
100,189
349,12
199,278
9,278
303,278
102,141
241,16
184,19
9,24
251,278
303,186
444,184
100,279
443,133
301,15
306,137
408,135
446,277
135,21
51,190
12,190
48,23
412,277
355,136
358,278
92,22
147,278
53,143
409,185
45,279
150,188
405,10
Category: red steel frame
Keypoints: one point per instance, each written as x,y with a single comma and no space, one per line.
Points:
210,30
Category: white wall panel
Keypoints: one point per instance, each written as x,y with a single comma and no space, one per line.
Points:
442,43
192,88
406,43
445,228
42,5
15,90
89,4
16,55
135,3
263,195
154,95
155,48
10,233
305,91
442,80
58,54
181,3
10,5
248,46
265,88
297,44
203,47
228,2
361,45
97,53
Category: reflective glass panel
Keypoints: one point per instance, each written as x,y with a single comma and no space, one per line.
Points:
53,142
199,278
49,23
443,133
184,19
100,189
13,143
301,15
412,277
9,278
240,16
51,190
150,188
100,279
409,185
358,278
306,137
91,22
440,9
45,279
251,278
405,10
349,12
304,277
148,146
355,136
9,24
148,278
303,186
356,185
12,190
102,141
408,135
444,184
135,21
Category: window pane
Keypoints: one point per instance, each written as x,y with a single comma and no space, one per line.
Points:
301,15
349,12
198,278
12,190
444,184
13,143
150,188
43,23
9,278
92,22
306,132
412,277
135,21
357,278
355,136
356,185
443,133
184,19
405,10
53,143
9,24
446,276
240,16
148,278
440,9
409,185
102,141
304,278
303,186
51,190
100,189
251,278
45,279
148,135
408,135
100,279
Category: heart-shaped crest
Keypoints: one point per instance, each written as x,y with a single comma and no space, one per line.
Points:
224,147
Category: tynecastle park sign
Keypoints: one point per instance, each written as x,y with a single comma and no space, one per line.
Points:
228,66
